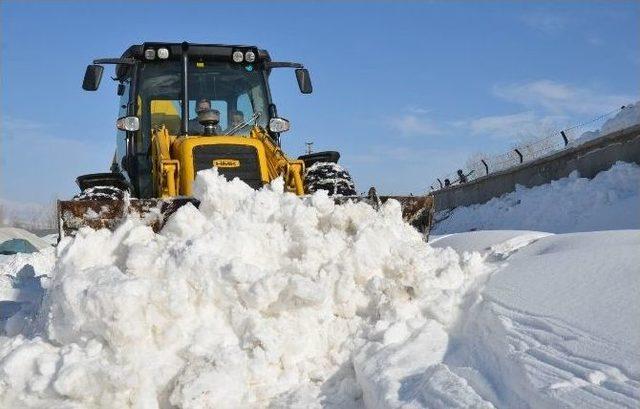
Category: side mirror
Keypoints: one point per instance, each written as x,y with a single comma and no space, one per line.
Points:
92,77
304,80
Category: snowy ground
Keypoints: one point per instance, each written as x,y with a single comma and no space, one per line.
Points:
260,299
557,323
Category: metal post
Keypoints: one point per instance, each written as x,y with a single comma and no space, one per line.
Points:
486,167
184,125
519,154
564,137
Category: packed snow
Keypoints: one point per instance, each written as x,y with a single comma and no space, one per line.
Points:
22,285
611,200
557,325
264,299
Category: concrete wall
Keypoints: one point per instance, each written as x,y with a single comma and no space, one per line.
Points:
588,159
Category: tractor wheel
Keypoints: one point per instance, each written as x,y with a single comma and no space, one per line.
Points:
100,192
330,177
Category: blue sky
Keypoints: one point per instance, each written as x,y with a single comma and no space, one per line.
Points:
406,91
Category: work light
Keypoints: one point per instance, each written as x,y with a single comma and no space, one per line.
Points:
163,53
150,54
237,56
278,125
128,123
249,56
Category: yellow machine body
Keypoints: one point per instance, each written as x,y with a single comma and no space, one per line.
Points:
173,161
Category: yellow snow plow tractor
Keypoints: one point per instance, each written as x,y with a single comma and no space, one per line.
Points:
188,107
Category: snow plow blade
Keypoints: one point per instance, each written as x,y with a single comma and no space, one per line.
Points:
100,213
416,210
107,213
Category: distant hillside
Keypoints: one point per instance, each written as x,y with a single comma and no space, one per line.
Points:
30,216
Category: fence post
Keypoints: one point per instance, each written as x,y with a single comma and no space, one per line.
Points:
519,154
564,137
486,167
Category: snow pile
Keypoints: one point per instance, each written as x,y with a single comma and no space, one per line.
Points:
257,299
611,200
629,116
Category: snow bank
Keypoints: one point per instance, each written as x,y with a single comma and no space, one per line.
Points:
257,299
611,200
557,325
629,116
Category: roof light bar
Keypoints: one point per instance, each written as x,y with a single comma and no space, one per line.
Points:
163,53
237,56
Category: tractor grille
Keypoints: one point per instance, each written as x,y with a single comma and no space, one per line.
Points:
248,171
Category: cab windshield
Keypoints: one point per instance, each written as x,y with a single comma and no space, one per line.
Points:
238,93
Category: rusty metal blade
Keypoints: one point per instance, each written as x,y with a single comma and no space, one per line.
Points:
416,210
99,213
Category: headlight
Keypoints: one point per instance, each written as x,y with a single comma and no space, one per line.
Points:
249,56
237,56
128,123
278,125
150,54
163,53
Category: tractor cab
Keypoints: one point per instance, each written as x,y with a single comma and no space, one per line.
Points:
193,91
